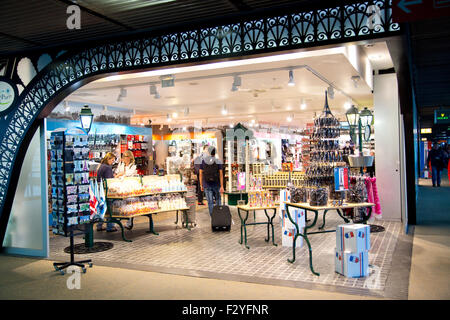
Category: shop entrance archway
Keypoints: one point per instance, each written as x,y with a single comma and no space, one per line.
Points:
76,67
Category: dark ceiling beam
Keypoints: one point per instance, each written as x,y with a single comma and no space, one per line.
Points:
20,39
96,14
240,5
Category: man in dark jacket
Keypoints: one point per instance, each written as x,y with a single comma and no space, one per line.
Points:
197,164
437,158
211,178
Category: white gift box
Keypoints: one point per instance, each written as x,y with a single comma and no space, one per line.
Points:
352,265
288,230
353,237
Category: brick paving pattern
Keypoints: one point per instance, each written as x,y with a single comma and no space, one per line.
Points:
219,254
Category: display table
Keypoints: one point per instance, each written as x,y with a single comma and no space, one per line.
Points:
233,197
116,218
244,224
316,210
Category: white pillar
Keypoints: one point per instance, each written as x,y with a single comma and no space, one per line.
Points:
387,145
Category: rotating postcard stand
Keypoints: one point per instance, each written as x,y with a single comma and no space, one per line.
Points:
70,189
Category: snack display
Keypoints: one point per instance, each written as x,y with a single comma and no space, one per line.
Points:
148,204
318,197
260,199
298,195
148,185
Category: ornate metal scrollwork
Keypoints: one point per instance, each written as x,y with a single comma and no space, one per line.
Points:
290,31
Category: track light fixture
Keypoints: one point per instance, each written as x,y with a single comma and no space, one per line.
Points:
291,82
303,104
66,106
123,92
224,110
331,92
153,89
290,118
169,118
186,111
157,96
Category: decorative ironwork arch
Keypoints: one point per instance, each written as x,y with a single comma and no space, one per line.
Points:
74,66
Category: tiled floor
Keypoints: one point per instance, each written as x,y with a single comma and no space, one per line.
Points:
200,252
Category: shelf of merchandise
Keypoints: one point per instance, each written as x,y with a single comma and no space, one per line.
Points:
148,212
143,195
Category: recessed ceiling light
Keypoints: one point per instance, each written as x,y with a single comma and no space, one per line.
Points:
175,115
291,82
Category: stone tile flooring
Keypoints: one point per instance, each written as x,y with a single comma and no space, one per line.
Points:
201,252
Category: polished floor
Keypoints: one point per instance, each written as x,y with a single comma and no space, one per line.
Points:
203,253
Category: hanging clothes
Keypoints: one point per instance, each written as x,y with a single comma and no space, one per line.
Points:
370,195
375,196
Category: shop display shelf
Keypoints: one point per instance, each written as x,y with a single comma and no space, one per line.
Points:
143,195
148,212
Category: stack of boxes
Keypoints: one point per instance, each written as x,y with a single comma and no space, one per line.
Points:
288,230
352,250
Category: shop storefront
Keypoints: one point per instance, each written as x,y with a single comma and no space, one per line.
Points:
279,117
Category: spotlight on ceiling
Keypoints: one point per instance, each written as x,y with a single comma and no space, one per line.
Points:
356,80
290,117
237,81
224,110
331,92
347,105
231,125
66,106
153,89
157,96
303,104
169,118
175,114
291,82
119,98
186,111
123,92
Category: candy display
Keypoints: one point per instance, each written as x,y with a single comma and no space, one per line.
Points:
318,197
357,192
147,204
298,195
147,185
260,199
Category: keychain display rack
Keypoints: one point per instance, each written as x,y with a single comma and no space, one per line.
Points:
324,156
70,189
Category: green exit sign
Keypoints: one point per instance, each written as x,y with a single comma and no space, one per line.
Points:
441,116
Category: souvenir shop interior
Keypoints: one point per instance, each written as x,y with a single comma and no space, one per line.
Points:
299,128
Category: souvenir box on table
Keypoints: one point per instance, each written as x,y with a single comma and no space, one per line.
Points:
352,265
288,230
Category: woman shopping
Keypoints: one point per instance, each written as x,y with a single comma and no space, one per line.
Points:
105,172
127,168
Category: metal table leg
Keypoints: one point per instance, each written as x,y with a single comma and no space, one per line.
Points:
151,229
323,225
117,221
305,236
342,215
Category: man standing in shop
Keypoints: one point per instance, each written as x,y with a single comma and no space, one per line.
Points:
197,164
211,178
436,157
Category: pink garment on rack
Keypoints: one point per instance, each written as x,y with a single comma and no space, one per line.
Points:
375,195
370,196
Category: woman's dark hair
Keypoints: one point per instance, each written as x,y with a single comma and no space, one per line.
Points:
212,151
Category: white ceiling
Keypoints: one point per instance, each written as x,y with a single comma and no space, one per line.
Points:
264,94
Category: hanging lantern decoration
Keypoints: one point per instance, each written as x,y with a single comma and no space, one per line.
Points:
86,118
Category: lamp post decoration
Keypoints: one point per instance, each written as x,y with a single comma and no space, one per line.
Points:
86,118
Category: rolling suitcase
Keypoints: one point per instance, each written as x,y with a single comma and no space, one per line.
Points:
221,218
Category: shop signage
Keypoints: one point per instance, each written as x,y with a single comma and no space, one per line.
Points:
412,10
241,181
441,116
8,93
341,179
425,130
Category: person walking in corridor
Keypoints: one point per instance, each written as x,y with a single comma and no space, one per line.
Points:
211,178
436,157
